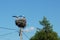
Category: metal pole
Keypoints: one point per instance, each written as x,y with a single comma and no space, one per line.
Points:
21,34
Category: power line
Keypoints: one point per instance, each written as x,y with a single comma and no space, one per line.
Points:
7,28
7,33
25,35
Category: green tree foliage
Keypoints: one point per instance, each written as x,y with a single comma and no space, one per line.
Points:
46,33
59,38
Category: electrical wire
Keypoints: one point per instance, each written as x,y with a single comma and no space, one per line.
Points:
7,33
7,28
10,32
25,35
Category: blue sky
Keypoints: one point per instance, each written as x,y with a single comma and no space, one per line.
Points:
33,10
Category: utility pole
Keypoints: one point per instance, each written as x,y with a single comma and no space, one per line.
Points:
21,38
21,23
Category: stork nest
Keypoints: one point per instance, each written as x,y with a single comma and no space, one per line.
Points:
21,23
